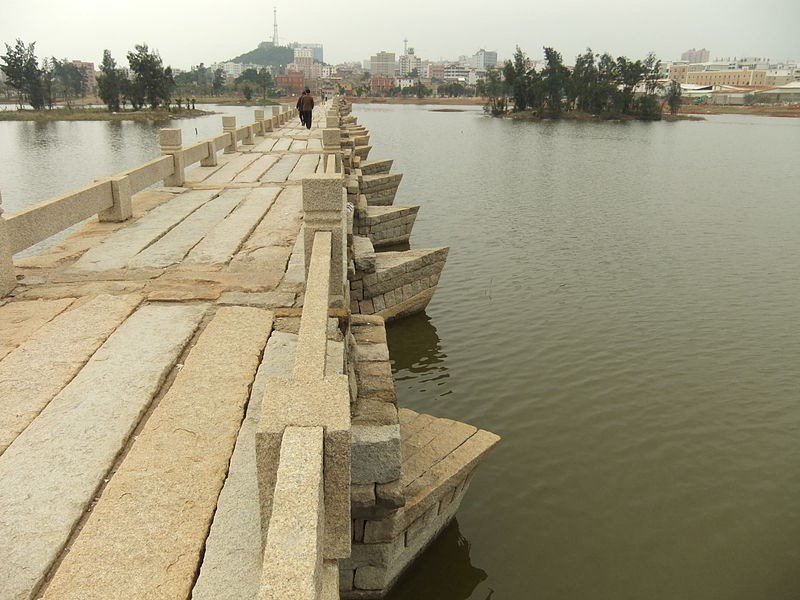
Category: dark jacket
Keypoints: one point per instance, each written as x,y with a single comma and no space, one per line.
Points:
305,102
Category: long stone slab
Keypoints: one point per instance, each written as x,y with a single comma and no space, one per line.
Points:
254,172
124,244
171,248
52,471
34,373
280,171
145,535
227,237
307,165
270,244
18,320
231,567
231,169
265,145
282,145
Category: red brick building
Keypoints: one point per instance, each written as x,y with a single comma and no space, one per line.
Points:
292,82
380,85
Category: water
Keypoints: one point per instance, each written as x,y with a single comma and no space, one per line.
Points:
41,160
621,304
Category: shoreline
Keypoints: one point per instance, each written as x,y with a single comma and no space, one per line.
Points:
98,114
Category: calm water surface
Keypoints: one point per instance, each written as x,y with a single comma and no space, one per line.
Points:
621,304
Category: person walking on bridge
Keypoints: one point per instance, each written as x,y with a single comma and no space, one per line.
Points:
305,106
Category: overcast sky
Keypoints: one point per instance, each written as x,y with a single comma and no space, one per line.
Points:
187,32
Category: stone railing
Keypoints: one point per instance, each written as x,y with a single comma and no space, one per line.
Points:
303,444
110,198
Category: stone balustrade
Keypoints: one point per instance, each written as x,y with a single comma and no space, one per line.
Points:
110,198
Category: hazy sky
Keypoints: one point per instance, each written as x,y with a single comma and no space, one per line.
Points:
187,32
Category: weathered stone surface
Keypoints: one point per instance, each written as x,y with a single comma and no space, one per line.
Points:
307,165
363,254
232,562
18,320
330,580
224,240
177,242
34,373
257,299
52,470
372,352
164,493
280,170
231,169
121,246
294,545
310,404
375,453
257,168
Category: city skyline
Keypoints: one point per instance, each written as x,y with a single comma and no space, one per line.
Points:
178,35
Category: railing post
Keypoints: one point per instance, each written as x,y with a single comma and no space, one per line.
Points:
122,194
324,200
332,119
276,117
259,124
7,278
229,127
172,145
211,159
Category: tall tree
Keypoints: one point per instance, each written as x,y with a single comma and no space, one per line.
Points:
672,96
555,77
70,80
218,82
21,67
150,78
109,82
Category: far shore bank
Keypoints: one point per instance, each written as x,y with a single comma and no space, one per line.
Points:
686,109
99,114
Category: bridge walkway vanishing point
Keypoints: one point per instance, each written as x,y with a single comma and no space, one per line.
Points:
196,399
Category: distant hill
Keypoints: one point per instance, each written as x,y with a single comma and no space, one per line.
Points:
267,54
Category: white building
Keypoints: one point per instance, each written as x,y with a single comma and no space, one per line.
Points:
483,59
233,69
408,62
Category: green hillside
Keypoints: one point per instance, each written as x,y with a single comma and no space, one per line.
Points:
267,54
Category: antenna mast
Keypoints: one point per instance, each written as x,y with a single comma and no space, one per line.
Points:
275,26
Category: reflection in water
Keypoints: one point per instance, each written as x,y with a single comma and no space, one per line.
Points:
444,570
417,356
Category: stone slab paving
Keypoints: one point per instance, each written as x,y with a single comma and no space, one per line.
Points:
53,470
118,249
145,535
231,169
18,320
281,170
307,165
282,145
32,374
199,173
256,169
177,242
224,240
231,568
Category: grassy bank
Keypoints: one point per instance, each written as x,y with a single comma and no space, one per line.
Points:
404,100
98,114
575,115
234,101
763,111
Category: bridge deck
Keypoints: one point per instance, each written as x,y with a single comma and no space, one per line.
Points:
127,359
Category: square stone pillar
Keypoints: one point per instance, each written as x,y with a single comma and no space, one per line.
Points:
324,207
259,124
171,141
122,194
229,127
211,159
332,139
8,280
332,119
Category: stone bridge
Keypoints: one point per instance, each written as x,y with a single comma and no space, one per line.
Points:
196,397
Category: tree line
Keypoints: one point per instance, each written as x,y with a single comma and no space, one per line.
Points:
145,82
597,85
40,84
